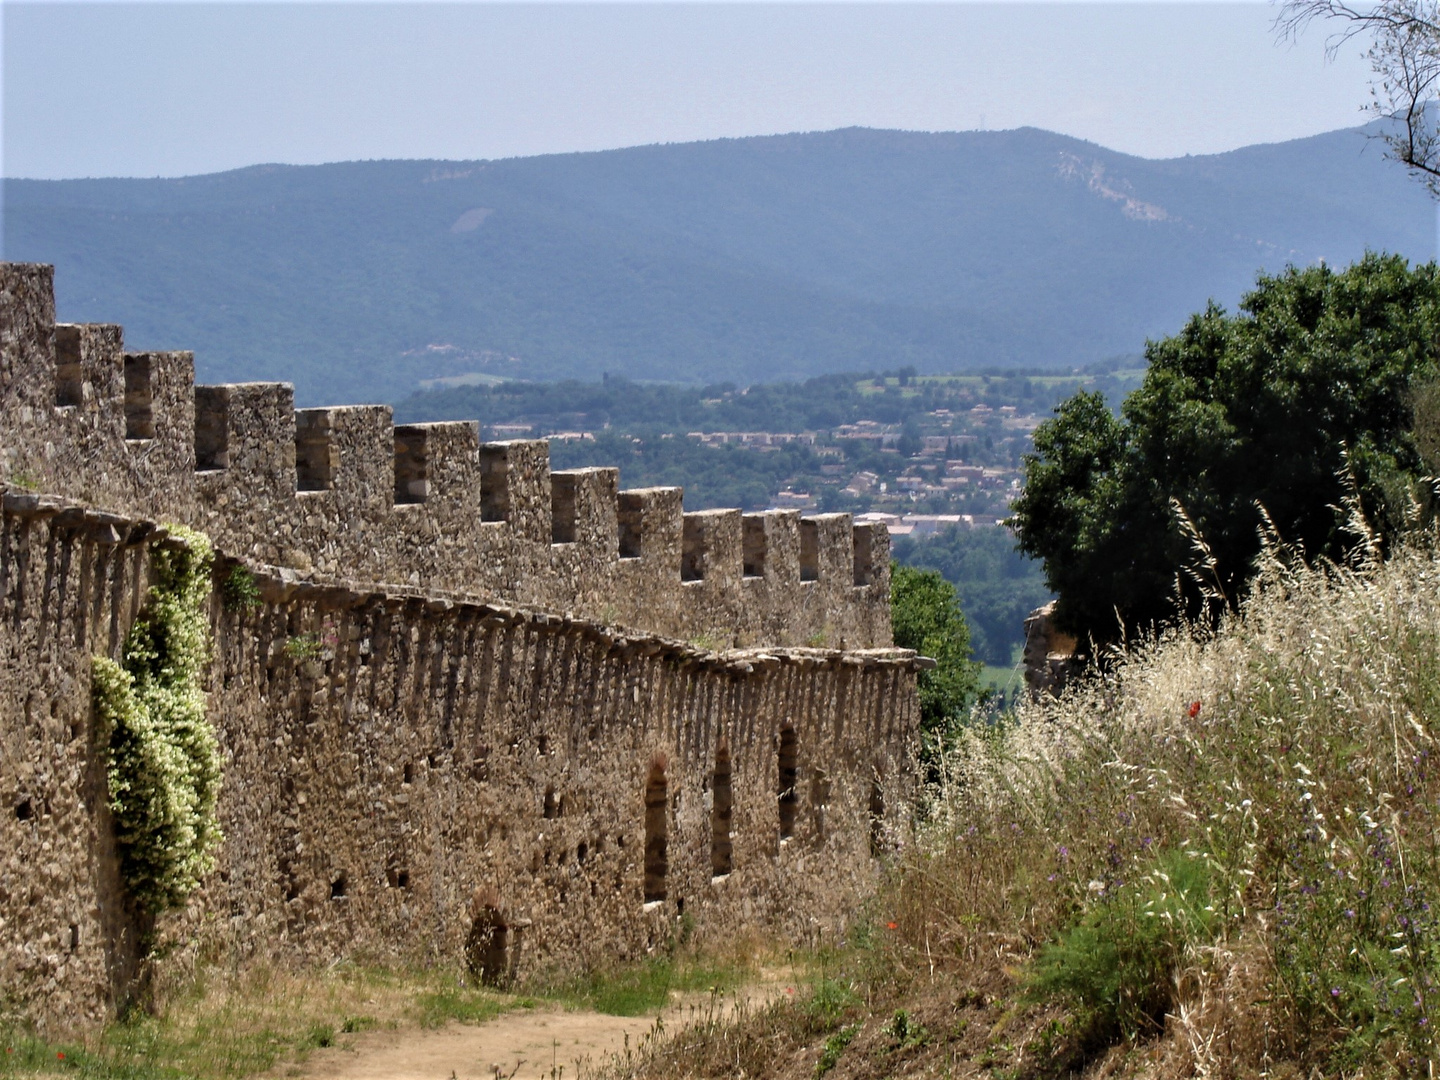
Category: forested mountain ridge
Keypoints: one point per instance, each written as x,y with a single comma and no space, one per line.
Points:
740,259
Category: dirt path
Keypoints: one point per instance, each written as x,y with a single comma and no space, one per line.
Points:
526,1044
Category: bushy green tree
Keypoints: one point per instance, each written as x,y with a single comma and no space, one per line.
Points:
925,614
1310,387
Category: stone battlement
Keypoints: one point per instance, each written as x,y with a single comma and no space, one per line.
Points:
470,711
343,492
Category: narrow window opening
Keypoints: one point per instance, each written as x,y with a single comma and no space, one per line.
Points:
23,811
69,378
552,804
657,804
753,545
212,428
789,774
877,817
139,418
581,851
562,508
692,549
494,483
74,937
412,473
721,811
409,773
809,550
338,888
317,458
631,512
864,556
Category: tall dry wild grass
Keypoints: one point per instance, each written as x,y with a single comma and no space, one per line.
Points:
1228,840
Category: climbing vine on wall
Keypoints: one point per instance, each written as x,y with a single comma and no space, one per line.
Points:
163,763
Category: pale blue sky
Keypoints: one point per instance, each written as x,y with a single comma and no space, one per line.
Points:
119,89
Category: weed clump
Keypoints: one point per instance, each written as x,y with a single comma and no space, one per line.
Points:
835,1046
240,590
302,647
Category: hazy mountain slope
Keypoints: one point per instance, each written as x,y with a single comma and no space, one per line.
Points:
735,259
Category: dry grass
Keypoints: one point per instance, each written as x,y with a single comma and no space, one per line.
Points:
1220,859
225,1024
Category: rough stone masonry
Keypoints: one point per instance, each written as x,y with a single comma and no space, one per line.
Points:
540,723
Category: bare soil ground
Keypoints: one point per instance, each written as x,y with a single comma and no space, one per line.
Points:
546,1042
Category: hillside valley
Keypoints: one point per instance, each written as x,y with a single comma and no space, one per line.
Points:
745,259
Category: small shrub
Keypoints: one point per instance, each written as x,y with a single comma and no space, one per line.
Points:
240,592
905,1032
302,647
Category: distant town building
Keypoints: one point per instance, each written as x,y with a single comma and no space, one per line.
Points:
754,439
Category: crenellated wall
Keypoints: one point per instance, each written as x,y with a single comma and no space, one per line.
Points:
432,748
512,681
342,492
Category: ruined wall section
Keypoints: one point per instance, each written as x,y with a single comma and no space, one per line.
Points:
419,748
343,493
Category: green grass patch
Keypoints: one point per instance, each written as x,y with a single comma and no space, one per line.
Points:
639,989
463,1005
27,1055
1008,679
1117,962
830,1000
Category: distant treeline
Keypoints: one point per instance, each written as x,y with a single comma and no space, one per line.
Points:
712,476
997,585
891,397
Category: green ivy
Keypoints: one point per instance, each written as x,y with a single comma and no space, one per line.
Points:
163,761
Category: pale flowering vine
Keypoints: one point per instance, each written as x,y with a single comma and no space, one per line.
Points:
163,763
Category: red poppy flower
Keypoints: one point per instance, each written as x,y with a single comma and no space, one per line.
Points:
891,925
1194,709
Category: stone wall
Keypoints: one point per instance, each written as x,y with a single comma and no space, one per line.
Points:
343,493
427,748
512,685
